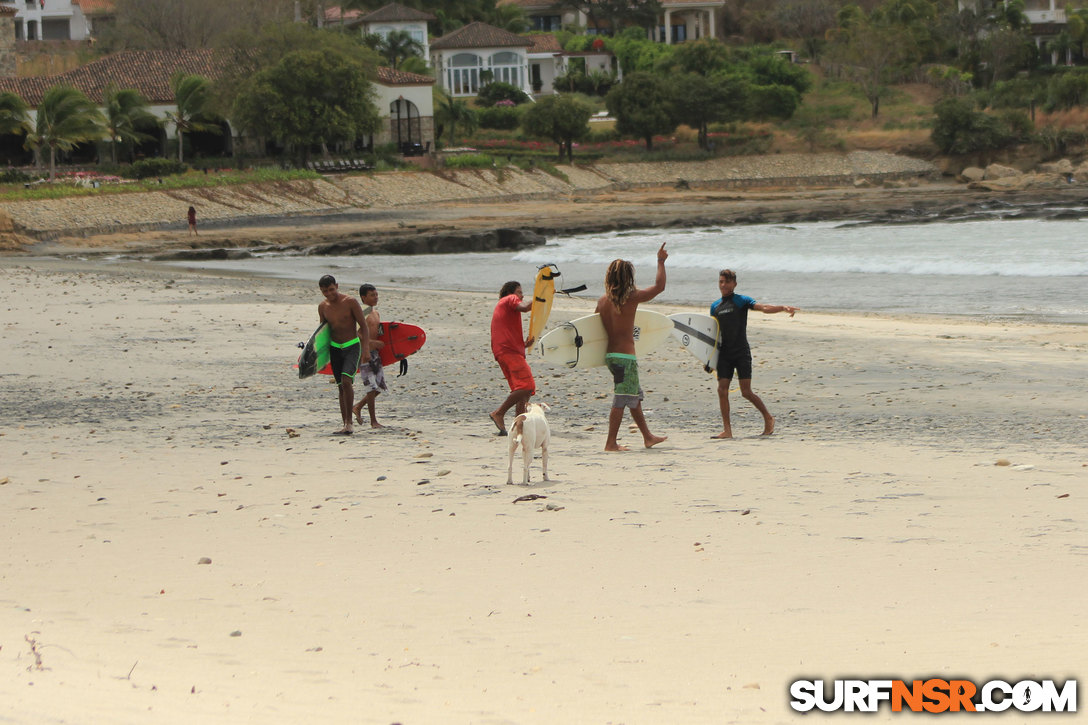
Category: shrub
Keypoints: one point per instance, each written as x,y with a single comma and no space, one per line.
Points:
13,176
469,161
146,168
492,93
960,129
500,117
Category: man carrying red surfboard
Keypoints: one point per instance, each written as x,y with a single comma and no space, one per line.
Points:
508,346
371,373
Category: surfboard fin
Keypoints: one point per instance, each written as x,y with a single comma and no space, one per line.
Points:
570,290
403,367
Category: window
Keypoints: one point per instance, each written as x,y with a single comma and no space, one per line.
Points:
506,67
547,23
463,74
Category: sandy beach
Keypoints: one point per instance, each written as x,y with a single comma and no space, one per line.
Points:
919,511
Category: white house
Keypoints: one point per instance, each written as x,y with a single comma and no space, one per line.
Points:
461,58
58,19
403,99
679,20
1046,17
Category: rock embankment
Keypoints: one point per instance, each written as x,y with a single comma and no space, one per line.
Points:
253,203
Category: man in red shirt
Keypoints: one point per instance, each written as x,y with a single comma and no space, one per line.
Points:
508,347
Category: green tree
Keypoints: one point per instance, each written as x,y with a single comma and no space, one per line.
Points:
509,17
397,46
191,108
873,53
65,118
642,107
451,114
561,118
704,57
125,109
698,100
610,15
960,129
13,114
309,97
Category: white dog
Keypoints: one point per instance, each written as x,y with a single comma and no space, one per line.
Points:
530,431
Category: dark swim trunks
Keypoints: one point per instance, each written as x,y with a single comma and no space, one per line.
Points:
344,358
741,362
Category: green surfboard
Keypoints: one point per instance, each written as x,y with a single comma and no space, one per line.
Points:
315,353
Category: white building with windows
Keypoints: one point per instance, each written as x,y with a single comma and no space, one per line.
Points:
464,59
394,16
57,19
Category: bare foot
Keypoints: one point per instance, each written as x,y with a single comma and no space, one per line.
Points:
497,420
768,427
723,435
654,440
615,447
345,431
358,410
375,424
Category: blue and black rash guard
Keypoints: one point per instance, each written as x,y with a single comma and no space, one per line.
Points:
732,315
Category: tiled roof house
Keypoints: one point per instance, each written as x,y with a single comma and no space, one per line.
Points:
150,73
58,19
385,20
460,57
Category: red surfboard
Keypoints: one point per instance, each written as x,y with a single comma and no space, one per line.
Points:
401,340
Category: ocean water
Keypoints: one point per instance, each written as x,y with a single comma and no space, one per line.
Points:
993,269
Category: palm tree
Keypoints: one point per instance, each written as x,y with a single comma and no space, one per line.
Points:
13,114
191,97
125,109
66,117
399,45
452,113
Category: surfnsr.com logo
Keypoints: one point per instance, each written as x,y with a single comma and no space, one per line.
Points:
933,695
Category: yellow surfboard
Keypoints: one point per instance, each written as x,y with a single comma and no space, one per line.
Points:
543,295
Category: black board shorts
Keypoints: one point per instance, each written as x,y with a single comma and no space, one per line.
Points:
739,361
344,359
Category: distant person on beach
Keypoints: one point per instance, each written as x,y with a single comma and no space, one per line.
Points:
508,346
371,373
731,312
192,221
350,336
617,308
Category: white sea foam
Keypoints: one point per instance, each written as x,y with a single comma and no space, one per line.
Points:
999,268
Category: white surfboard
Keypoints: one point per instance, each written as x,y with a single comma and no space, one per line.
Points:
582,343
699,336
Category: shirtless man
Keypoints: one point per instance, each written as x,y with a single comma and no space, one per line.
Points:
617,308
348,329
371,374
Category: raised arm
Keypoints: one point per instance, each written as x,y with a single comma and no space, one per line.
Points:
771,309
647,294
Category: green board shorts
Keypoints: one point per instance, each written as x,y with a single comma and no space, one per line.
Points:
344,357
624,370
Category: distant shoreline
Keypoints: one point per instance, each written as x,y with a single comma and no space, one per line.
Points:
410,212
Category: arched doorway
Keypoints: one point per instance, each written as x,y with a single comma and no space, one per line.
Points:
404,126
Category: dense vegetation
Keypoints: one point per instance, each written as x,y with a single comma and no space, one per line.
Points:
303,88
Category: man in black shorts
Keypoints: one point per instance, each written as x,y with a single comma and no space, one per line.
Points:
734,354
348,330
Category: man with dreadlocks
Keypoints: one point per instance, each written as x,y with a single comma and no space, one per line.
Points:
617,310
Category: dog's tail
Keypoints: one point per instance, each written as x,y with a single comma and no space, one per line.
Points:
518,427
